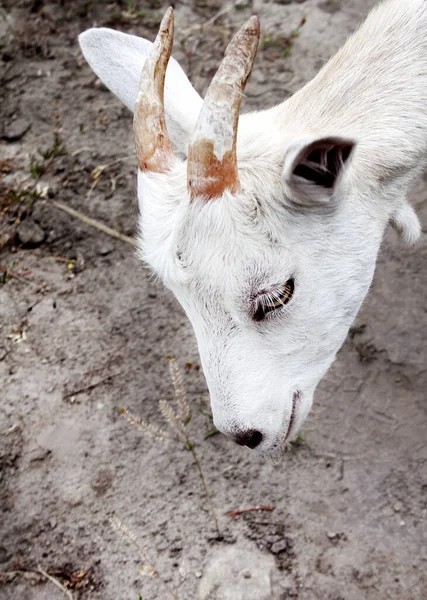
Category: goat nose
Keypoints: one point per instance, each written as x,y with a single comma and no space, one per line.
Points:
250,438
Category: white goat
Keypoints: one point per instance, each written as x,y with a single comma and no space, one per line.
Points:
272,255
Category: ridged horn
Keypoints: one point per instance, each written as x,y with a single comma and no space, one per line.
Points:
212,160
153,146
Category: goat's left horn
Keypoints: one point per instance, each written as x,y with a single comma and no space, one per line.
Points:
212,160
153,146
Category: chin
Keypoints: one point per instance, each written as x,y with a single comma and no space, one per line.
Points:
283,443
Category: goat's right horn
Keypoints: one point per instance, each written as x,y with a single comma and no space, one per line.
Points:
212,160
153,146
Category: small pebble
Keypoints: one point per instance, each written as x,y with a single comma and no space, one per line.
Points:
16,130
106,249
39,454
279,547
30,234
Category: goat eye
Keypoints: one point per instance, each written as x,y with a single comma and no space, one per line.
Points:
273,300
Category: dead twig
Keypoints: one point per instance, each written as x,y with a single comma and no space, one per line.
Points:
83,149
211,21
19,277
93,223
242,511
64,259
97,172
55,582
8,576
90,387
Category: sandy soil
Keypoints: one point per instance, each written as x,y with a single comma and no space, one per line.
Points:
84,331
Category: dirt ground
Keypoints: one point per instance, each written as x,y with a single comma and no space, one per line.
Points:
84,330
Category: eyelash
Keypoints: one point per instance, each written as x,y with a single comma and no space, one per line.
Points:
271,301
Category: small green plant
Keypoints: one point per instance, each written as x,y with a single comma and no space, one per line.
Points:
4,277
36,167
130,14
19,200
212,429
178,420
298,442
210,433
133,11
39,164
39,167
57,148
282,42
19,196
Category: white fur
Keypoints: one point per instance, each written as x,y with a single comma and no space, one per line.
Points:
218,256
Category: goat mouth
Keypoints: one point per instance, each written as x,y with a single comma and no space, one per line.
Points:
295,403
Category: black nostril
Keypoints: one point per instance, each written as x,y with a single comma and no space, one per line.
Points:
251,438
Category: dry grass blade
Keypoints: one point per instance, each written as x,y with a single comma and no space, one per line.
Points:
242,511
99,170
148,567
154,432
93,223
209,22
146,570
173,419
184,411
55,582
118,526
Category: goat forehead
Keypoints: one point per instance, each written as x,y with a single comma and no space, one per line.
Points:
220,232
229,267
219,263
228,245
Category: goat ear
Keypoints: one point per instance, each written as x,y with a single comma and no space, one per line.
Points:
314,168
405,221
117,58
